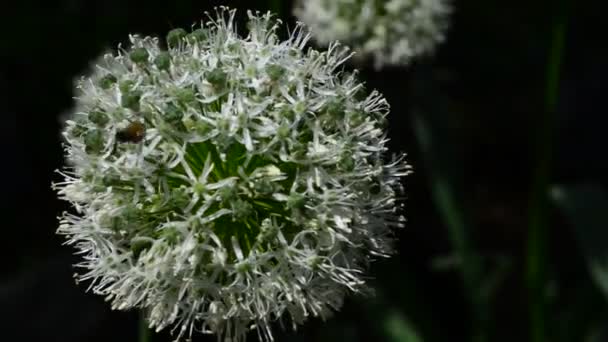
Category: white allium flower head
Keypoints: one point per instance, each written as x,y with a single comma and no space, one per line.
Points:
387,32
225,182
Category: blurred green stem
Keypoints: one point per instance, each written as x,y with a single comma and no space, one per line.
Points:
470,265
453,216
536,272
144,331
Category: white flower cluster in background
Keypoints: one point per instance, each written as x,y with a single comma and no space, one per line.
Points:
387,32
227,182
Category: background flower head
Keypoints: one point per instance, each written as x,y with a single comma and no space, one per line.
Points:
225,182
388,33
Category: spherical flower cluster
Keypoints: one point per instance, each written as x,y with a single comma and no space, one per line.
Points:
389,32
225,182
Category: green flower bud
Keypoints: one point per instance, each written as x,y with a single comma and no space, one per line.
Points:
93,141
283,130
126,86
107,81
217,78
198,35
99,118
173,114
131,100
275,71
264,187
347,163
139,56
163,61
175,36
335,109
185,95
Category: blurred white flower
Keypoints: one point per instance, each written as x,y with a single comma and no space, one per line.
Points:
225,182
388,32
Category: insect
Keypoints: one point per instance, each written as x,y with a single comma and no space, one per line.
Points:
134,133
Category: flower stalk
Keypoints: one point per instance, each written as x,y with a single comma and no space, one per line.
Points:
536,268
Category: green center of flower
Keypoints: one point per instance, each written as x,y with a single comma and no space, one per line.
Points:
250,201
239,207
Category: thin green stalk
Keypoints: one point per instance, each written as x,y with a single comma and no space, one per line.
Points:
144,331
536,273
459,235
456,223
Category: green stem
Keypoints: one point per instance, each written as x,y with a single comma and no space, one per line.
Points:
452,214
144,331
470,267
536,273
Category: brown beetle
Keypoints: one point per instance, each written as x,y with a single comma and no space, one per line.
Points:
134,133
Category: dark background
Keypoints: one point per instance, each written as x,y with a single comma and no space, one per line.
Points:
484,98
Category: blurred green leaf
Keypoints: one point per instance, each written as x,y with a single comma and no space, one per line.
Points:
397,328
433,136
501,267
586,206
390,322
440,165
599,334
